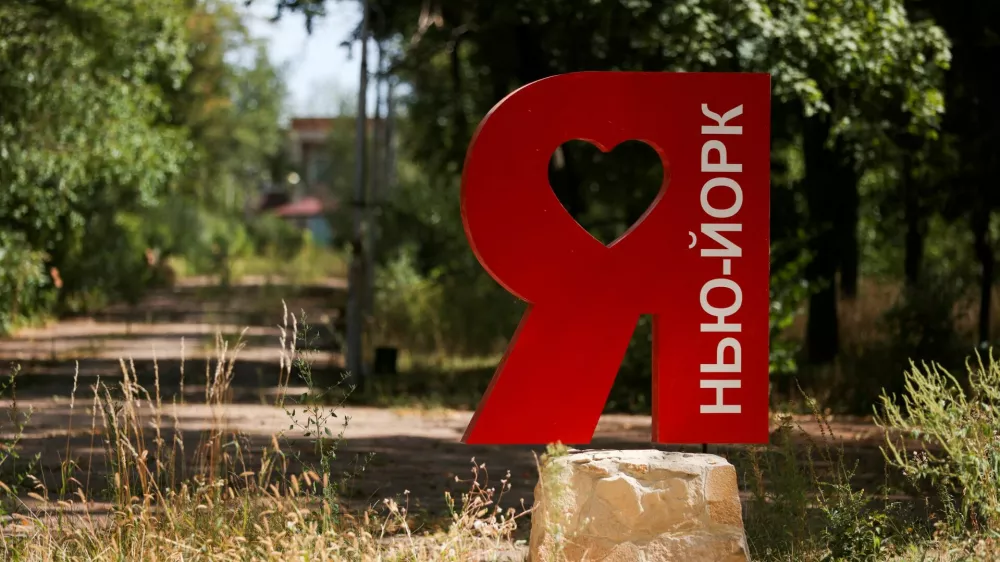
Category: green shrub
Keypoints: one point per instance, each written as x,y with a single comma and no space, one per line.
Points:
922,321
804,505
25,288
103,262
271,235
409,307
853,528
958,430
206,241
459,311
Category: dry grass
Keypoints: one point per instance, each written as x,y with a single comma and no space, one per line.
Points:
861,319
225,499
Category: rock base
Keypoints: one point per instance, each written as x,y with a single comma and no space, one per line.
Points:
637,506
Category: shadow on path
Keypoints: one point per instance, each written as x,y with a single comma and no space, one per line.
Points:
175,328
419,452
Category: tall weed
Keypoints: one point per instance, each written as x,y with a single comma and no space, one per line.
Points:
957,430
804,503
228,498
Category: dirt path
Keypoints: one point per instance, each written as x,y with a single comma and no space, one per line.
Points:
175,326
413,450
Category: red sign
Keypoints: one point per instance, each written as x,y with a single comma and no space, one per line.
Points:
697,261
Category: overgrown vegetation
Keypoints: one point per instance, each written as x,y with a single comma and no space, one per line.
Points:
135,135
131,134
283,497
875,258
231,496
806,502
958,429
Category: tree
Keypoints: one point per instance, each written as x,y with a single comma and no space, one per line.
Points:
230,111
82,134
838,69
229,108
112,113
847,76
972,128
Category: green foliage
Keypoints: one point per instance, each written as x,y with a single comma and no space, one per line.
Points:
229,110
867,68
12,469
957,429
857,60
221,238
429,280
210,241
854,530
124,128
271,235
789,291
24,283
408,306
804,504
922,321
82,136
230,107
118,270
81,116
428,313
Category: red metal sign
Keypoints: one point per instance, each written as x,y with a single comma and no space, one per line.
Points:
697,261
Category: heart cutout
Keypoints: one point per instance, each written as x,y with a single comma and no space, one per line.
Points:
606,192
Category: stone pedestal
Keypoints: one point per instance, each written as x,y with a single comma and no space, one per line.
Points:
637,506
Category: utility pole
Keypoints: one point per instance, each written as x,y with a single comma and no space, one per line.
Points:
376,167
389,150
356,274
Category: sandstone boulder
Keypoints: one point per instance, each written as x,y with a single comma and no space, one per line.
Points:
632,506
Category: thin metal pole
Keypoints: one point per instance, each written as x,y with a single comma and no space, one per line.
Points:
389,149
375,191
356,273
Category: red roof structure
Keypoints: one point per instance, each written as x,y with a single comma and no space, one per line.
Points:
321,125
306,207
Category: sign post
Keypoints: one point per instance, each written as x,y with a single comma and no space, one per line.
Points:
697,260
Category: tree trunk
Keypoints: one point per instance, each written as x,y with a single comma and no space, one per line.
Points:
822,339
914,243
984,252
356,271
461,131
849,256
375,171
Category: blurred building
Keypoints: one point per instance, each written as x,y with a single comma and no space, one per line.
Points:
313,181
309,153
308,213
305,197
